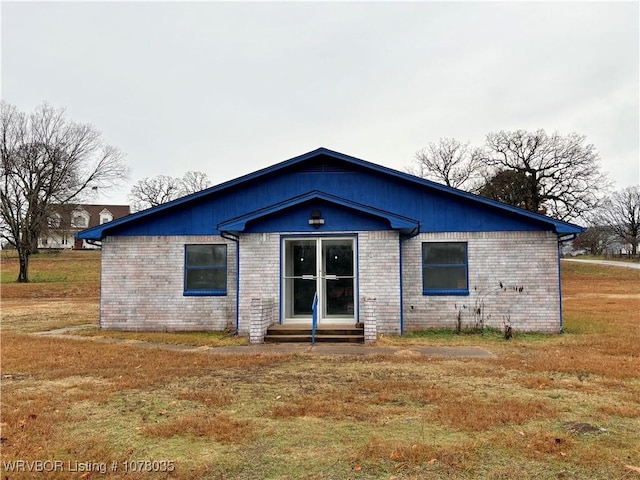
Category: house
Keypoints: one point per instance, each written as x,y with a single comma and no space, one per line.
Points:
373,245
65,221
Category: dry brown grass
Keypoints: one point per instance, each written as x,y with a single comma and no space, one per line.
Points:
199,339
220,426
474,415
298,416
437,458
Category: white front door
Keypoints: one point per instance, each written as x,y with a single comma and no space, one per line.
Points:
325,265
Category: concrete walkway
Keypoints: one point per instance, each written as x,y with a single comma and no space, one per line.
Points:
611,263
284,348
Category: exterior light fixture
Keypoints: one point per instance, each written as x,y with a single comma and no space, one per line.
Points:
316,220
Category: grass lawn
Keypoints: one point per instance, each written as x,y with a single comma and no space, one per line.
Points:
548,407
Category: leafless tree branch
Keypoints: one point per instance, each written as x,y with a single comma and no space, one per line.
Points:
449,162
46,160
153,191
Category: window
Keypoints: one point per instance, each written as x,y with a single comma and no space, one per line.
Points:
54,220
79,221
105,216
444,268
205,270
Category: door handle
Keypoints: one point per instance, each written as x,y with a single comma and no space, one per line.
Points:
308,277
331,277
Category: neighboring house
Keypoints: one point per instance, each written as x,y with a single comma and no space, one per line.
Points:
66,221
378,246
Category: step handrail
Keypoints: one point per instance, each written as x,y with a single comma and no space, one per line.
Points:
314,318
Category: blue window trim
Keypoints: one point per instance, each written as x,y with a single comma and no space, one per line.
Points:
205,293
461,292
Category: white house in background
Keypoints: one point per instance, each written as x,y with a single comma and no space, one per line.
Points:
66,221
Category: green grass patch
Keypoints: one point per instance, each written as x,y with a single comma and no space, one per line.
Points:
199,339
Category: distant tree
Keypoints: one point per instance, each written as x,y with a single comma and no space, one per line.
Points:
620,212
595,240
46,160
194,181
449,162
153,191
564,172
509,186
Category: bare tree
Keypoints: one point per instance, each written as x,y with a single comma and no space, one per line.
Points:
46,160
621,214
449,162
564,172
194,181
153,191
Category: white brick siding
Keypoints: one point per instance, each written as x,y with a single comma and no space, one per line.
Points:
515,259
263,314
259,273
379,277
142,284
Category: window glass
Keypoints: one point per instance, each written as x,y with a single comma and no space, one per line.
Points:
79,221
444,268
206,269
445,253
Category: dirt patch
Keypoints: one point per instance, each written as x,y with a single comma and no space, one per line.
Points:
583,428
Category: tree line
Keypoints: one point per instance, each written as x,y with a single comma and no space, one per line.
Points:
49,160
556,175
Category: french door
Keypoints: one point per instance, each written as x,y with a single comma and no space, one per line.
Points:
325,265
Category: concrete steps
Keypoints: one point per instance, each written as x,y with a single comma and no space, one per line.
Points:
324,334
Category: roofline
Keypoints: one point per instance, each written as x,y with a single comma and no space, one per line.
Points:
238,224
559,226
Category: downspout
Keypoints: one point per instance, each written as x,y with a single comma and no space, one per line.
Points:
561,240
235,239
414,233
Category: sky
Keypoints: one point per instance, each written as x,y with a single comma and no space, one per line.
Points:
228,88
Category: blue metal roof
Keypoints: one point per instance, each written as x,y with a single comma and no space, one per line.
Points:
336,178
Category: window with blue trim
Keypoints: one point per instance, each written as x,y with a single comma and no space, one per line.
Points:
205,269
445,268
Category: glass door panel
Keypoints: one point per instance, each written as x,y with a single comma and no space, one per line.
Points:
300,276
338,278
322,265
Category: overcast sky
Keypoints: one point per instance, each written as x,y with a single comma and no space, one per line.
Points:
229,88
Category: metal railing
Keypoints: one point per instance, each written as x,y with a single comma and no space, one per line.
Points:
314,317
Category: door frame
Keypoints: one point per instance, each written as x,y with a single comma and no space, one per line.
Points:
306,320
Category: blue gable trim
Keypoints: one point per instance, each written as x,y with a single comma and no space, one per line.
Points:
310,201
436,207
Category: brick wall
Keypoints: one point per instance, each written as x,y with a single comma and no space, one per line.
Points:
263,314
142,282
259,273
379,277
515,259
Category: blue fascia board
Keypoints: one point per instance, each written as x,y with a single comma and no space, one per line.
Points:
558,226
396,221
